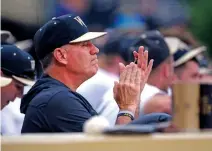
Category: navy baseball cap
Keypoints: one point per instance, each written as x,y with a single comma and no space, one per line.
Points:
120,44
18,64
60,31
154,42
181,51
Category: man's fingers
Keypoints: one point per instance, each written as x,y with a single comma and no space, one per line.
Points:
133,73
145,60
149,68
123,73
141,48
128,73
135,54
121,67
140,55
137,79
115,88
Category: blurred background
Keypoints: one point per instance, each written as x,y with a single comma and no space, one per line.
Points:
188,19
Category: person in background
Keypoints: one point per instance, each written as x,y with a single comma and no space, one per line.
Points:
170,17
186,68
63,7
19,66
4,85
11,115
130,23
102,14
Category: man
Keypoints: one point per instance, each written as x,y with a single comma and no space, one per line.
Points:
4,83
160,77
186,68
114,51
185,59
10,115
69,58
18,66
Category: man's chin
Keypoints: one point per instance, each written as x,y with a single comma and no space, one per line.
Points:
93,73
8,102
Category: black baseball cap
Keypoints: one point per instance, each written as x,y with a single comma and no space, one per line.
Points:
154,42
60,31
120,44
18,64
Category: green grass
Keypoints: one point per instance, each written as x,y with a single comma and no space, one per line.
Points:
201,21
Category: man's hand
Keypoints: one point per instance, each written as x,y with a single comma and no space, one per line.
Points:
127,91
142,61
141,58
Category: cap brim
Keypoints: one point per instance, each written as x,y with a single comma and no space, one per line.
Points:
174,44
89,36
188,56
5,32
24,81
24,45
5,81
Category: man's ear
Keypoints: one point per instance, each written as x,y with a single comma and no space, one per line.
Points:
175,78
60,55
166,70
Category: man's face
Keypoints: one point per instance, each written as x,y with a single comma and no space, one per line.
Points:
10,92
190,72
82,59
170,71
171,68
165,74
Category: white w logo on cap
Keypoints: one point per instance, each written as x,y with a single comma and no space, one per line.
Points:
79,20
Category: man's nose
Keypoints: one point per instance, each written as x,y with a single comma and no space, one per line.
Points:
94,49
